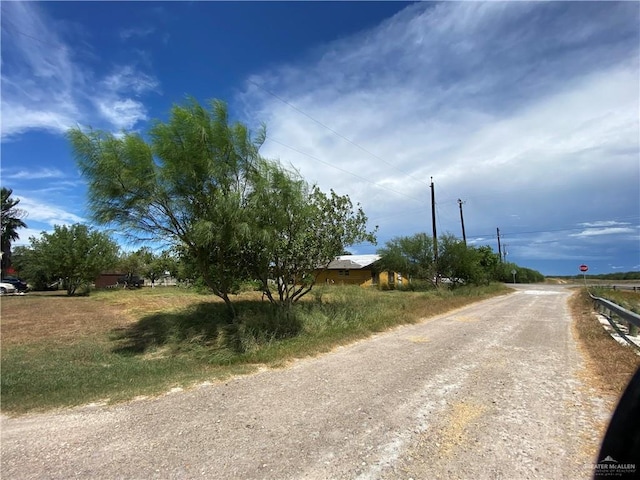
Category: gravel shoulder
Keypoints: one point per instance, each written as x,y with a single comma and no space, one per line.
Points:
491,391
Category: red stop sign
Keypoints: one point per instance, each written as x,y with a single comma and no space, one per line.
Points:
583,268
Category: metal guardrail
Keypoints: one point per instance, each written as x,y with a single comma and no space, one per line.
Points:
630,318
634,288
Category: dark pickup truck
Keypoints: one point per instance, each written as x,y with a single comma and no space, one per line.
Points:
16,282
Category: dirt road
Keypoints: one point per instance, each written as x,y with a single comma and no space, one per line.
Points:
491,391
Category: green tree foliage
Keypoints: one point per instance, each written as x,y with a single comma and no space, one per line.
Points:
608,276
146,264
200,185
157,266
187,186
131,264
457,262
11,223
467,264
523,275
30,269
489,261
76,254
297,230
412,256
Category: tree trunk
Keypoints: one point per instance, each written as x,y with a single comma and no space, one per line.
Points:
229,305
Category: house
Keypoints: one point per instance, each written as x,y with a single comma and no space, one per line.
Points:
108,279
358,270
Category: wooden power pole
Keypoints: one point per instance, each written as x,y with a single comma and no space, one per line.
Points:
464,235
499,247
433,223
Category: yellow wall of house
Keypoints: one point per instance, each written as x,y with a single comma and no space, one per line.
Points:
338,277
361,277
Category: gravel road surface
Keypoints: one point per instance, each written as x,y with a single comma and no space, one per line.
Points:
490,391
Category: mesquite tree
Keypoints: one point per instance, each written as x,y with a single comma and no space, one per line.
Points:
200,184
77,254
298,230
187,186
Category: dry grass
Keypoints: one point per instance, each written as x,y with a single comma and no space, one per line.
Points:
610,364
116,345
53,317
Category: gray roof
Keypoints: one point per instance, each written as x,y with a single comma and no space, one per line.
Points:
352,262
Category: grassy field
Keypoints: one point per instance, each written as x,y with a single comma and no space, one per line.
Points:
625,298
116,345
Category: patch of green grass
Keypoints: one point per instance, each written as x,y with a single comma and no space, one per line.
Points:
38,378
184,338
627,299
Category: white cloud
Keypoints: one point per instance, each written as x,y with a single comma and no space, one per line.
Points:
26,234
122,114
603,223
128,33
592,232
42,212
127,79
527,115
33,174
45,86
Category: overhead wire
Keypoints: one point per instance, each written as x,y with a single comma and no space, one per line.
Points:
338,134
341,169
16,29
503,235
507,234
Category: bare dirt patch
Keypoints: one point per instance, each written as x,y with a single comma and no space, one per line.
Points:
54,317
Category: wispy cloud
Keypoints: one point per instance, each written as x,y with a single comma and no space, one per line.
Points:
42,212
124,113
133,32
593,232
45,86
127,79
33,174
25,236
603,223
520,109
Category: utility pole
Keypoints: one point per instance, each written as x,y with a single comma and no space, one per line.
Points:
433,223
464,235
505,253
499,247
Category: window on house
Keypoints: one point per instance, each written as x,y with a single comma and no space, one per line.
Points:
343,273
374,278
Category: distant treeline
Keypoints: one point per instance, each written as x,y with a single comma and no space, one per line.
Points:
608,276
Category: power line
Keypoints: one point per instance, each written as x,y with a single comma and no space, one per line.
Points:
16,29
542,231
337,133
403,213
342,169
510,235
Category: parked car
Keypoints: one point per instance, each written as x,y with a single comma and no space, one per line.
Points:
6,288
16,282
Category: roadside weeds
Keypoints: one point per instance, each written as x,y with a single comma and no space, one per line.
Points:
611,365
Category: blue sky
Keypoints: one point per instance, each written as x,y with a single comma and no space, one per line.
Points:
528,112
